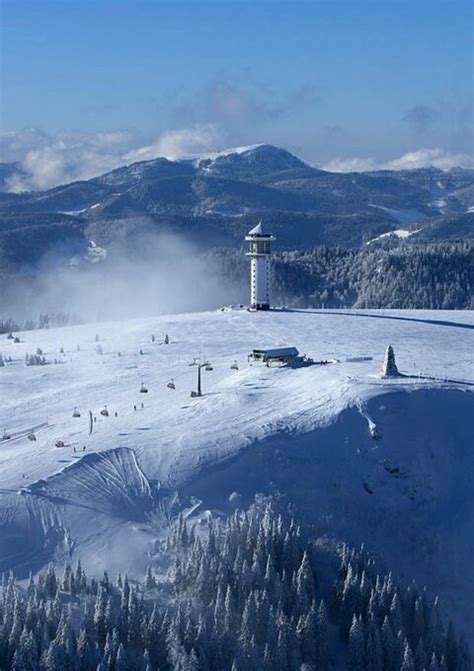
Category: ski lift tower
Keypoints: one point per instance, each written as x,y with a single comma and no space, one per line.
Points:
259,267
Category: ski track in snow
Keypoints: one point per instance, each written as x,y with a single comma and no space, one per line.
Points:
89,503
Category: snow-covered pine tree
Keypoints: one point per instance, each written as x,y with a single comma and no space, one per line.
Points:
408,663
322,641
100,621
66,582
86,657
25,657
356,645
307,632
121,660
150,582
305,588
50,583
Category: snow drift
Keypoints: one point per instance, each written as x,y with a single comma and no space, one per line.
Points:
110,483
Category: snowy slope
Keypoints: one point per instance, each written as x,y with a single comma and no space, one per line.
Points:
387,462
404,216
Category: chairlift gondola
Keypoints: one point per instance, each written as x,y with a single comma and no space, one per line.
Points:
104,412
234,366
6,436
208,367
171,384
143,389
76,412
31,436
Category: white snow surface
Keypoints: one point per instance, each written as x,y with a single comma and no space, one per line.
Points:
81,210
213,155
384,461
237,406
399,233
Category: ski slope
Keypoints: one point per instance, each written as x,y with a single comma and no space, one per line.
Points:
387,462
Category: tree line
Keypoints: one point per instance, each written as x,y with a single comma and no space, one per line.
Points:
382,275
44,320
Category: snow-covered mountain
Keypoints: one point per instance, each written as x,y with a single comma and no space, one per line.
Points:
386,462
214,199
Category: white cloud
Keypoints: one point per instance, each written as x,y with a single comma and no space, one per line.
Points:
436,158
421,158
50,160
355,164
175,144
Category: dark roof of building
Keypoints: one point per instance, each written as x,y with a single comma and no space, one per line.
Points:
276,352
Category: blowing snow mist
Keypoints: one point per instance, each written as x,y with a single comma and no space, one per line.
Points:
153,274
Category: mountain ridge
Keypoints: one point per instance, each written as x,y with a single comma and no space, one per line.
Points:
210,199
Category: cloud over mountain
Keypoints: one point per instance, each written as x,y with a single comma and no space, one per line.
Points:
419,158
48,160
174,144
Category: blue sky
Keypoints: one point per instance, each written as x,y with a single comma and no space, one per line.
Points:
340,80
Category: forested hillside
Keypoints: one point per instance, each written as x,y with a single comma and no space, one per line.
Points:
381,275
251,594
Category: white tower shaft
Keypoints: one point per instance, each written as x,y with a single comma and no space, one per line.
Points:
260,282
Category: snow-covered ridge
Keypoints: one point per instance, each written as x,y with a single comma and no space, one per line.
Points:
240,405
212,155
